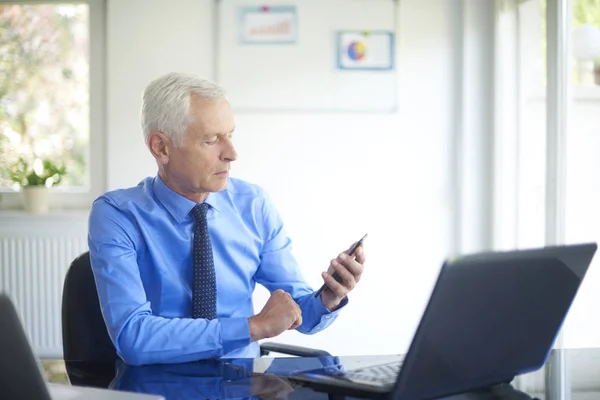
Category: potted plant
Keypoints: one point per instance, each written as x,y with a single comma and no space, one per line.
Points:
34,180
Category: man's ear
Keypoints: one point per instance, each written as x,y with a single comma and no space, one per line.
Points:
158,145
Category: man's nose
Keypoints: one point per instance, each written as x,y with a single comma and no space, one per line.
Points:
229,153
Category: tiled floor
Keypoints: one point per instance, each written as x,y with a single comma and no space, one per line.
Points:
55,371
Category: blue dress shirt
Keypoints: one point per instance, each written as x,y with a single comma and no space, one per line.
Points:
140,241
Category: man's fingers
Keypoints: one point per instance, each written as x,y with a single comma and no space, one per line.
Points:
298,316
350,248
336,287
298,320
347,277
297,312
360,255
353,266
296,324
294,306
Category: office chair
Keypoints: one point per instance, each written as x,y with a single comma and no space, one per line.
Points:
87,348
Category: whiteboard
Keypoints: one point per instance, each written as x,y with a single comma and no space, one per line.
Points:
304,74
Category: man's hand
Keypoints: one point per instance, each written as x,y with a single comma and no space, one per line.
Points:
350,269
279,314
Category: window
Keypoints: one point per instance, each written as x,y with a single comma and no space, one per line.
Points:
520,124
582,194
586,47
532,127
50,94
556,148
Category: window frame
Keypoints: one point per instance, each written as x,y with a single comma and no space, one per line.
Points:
556,98
81,197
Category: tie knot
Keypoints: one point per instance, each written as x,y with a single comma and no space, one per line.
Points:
199,211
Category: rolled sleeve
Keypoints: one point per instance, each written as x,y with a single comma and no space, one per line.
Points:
315,316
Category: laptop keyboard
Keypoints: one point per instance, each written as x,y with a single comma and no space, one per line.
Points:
384,374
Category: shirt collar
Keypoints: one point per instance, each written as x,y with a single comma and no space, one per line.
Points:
177,205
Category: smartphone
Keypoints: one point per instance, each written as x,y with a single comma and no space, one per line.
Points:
335,274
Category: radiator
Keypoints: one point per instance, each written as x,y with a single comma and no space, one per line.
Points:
35,254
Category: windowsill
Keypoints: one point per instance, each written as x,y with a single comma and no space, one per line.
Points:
61,202
586,93
53,190
581,94
19,222
22,214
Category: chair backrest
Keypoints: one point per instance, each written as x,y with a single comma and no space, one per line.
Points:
85,337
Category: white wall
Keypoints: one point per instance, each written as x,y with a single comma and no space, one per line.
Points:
387,175
147,38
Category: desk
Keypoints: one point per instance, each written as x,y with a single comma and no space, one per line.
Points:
568,375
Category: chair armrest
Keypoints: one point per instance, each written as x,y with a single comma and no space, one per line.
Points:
268,347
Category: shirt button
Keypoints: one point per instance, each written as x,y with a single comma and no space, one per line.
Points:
327,316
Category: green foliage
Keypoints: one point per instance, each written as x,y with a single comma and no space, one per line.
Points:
586,12
582,12
39,173
44,87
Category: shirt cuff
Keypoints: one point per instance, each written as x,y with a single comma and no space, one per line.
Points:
235,333
322,310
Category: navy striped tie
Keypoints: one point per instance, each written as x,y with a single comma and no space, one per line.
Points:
204,288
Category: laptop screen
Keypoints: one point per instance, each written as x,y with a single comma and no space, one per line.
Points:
20,374
492,317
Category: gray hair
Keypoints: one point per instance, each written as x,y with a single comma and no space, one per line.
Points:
166,103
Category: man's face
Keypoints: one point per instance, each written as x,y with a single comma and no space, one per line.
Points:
201,164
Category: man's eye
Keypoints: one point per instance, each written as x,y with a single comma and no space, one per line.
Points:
211,141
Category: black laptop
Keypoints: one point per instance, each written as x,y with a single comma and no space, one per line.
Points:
490,317
21,375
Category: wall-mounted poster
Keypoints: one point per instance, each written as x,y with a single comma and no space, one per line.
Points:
269,25
365,50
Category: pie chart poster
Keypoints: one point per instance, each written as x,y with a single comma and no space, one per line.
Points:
365,50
